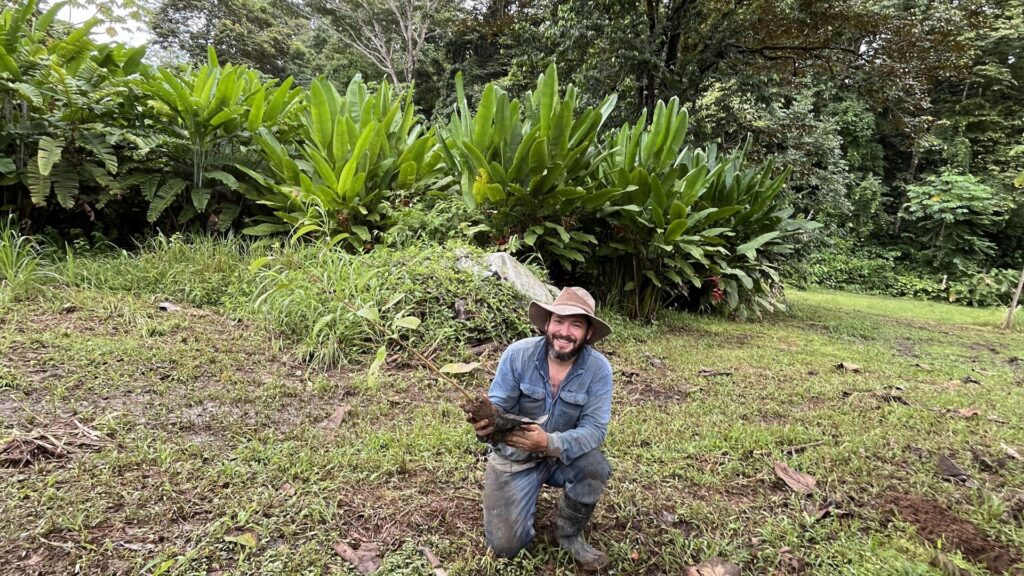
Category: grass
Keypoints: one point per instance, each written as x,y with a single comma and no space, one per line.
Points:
216,430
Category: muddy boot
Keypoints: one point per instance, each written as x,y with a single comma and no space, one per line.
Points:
572,518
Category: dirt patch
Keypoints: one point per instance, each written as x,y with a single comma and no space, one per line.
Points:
905,348
935,523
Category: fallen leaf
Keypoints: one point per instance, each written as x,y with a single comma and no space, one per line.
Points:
847,367
287,490
713,567
917,451
634,555
950,469
1010,451
708,372
459,367
335,419
366,560
968,412
168,307
247,539
656,362
799,482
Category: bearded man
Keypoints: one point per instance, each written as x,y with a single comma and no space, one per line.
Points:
560,381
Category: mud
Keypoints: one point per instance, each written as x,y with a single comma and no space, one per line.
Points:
935,522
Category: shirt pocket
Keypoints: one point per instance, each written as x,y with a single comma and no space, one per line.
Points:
567,414
532,402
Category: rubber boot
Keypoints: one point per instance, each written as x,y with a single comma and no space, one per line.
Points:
572,518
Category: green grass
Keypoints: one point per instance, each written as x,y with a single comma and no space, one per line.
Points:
216,433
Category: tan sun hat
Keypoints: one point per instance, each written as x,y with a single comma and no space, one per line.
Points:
572,301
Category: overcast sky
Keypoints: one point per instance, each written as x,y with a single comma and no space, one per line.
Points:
132,34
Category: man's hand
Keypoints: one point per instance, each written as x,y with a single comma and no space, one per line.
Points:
483,427
529,437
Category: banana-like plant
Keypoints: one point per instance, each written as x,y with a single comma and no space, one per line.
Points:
527,168
352,152
213,113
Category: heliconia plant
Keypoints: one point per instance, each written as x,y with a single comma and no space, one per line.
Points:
527,168
687,220
352,150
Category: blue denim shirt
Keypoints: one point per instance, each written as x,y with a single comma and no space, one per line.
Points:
578,415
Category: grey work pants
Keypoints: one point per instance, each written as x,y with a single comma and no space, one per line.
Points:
510,498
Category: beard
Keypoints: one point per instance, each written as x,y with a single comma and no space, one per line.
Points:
567,355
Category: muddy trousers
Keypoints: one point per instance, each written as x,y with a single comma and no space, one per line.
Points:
510,498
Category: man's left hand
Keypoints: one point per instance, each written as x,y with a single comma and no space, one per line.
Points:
529,438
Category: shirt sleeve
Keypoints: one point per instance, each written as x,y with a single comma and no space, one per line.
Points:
593,425
504,391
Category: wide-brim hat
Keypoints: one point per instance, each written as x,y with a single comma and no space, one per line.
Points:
572,301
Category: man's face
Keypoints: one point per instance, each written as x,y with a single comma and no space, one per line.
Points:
567,335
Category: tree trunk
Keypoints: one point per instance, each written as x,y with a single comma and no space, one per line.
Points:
1008,323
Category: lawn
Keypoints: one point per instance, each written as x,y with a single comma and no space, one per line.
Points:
193,443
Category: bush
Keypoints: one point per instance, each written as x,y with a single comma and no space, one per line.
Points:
328,300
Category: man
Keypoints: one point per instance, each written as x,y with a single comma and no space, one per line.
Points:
561,382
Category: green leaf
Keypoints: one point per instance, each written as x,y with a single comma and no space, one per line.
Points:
370,313
49,153
164,197
753,245
676,229
7,165
247,539
410,322
266,229
373,373
362,232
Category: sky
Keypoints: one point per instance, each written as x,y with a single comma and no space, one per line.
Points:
132,34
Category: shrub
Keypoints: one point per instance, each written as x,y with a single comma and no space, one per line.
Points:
317,295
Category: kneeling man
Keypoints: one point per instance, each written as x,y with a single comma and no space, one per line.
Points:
560,380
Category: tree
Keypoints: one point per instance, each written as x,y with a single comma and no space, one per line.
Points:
257,33
391,34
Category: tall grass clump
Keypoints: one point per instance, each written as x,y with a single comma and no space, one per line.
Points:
22,267
320,298
194,270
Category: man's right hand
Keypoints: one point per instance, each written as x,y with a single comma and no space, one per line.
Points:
482,427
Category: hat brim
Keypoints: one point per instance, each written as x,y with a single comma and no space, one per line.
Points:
539,314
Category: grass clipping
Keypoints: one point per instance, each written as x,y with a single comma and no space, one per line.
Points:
56,441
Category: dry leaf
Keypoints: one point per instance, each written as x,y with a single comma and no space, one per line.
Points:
950,469
459,367
1010,451
847,367
336,418
247,539
634,555
968,412
713,567
366,560
287,490
799,482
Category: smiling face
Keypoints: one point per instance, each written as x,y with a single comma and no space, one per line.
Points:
567,335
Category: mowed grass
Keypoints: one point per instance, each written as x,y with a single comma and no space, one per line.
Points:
219,463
